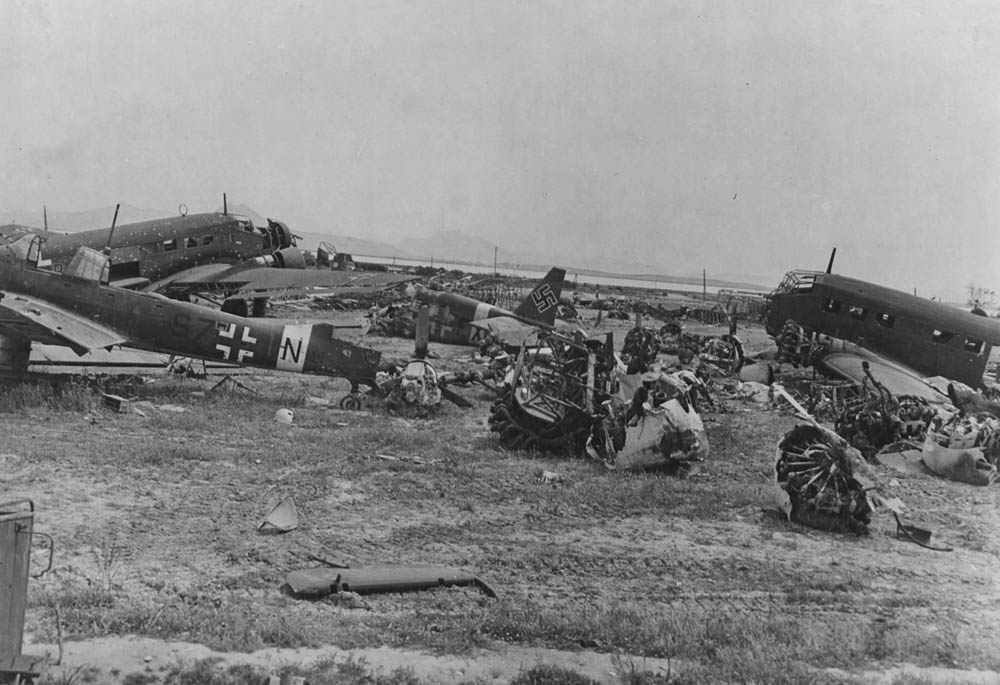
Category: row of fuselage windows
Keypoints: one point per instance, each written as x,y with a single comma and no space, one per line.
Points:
188,243
859,313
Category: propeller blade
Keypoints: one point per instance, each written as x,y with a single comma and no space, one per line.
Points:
423,333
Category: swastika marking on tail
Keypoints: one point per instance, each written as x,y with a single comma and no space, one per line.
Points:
543,298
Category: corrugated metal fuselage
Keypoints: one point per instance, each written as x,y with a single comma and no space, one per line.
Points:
929,337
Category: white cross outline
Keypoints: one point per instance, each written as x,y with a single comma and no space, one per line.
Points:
246,340
544,298
230,332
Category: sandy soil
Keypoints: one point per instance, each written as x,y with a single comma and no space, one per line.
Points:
190,531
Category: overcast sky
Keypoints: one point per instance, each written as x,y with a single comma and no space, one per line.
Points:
744,137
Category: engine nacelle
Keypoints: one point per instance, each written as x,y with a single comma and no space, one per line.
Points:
290,258
281,236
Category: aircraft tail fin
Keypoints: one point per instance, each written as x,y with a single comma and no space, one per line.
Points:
542,302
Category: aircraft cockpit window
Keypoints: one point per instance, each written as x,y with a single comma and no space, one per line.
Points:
207,240
887,320
26,248
941,337
974,346
831,305
246,226
169,245
191,242
858,312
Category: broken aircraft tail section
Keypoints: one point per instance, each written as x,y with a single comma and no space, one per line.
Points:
541,303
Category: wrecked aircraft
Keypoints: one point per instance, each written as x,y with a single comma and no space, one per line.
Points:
460,320
80,310
217,257
924,337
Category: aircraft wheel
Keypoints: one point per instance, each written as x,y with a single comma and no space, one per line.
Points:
350,403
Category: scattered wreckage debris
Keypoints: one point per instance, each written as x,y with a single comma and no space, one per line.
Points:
569,396
823,482
641,348
320,582
282,518
724,352
964,447
876,418
798,346
556,396
919,536
910,434
415,387
116,403
721,353
823,399
551,478
403,457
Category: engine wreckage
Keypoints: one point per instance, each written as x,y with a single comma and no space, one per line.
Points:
821,482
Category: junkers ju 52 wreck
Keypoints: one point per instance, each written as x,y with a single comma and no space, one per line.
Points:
883,326
222,258
892,345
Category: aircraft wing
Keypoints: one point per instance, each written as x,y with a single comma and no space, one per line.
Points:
261,281
897,379
28,317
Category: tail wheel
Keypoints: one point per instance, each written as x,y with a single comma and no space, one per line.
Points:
350,403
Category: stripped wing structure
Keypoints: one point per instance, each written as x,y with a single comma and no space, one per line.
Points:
26,317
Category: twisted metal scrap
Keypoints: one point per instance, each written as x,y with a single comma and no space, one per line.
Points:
557,389
877,418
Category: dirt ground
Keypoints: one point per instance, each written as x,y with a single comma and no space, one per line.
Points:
160,510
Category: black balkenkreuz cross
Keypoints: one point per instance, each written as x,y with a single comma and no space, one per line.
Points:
239,339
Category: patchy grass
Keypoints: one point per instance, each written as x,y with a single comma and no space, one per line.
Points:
638,564
546,674
221,623
69,394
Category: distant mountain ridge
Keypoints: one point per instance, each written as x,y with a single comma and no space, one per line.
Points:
451,245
